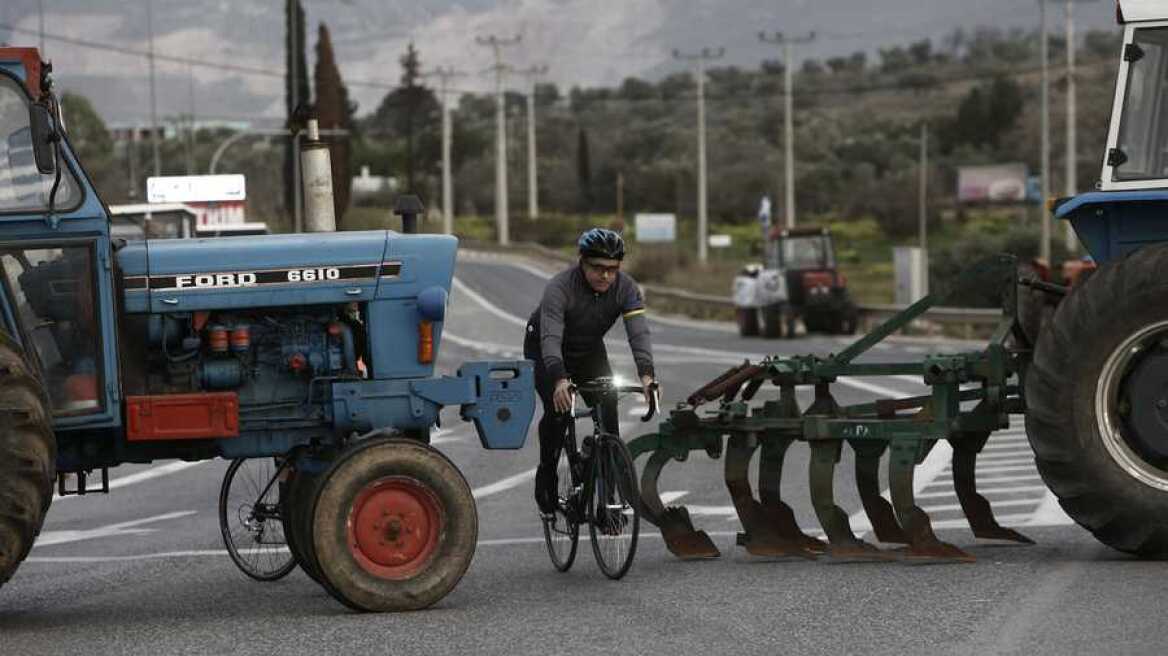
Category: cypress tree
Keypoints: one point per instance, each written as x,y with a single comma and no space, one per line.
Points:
333,110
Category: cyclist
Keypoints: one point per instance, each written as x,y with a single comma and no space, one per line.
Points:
565,339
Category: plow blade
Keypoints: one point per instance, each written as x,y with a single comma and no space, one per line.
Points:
676,528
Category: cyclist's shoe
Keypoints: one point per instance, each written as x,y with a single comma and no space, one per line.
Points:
546,499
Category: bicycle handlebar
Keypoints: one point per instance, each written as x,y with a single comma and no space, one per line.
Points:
653,398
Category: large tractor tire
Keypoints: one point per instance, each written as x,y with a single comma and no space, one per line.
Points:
747,319
394,526
28,457
1097,403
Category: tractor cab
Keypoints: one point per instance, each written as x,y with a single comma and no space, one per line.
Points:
55,255
1126,211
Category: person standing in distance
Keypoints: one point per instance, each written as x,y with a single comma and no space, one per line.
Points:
565,339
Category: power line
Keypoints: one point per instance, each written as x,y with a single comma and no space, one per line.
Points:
190,61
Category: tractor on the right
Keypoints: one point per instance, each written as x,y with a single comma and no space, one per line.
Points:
1097,389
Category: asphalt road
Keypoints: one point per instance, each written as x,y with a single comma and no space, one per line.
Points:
143,570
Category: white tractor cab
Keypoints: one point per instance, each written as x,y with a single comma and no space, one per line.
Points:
1137,141
800,281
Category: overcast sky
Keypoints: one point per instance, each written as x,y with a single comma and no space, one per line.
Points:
583,42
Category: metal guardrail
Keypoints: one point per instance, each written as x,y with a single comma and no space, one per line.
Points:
972,319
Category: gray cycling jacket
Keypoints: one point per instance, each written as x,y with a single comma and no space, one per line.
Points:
572,320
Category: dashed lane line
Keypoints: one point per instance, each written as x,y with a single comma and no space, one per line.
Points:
49,538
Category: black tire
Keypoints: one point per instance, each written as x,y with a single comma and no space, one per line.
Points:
253,526
28,458
297,508
410,518
615,514
772,321
561,532
1081,405
747,321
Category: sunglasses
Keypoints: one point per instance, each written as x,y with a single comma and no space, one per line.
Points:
602,269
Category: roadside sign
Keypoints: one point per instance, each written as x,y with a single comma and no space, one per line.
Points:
195,188
656,228
720,241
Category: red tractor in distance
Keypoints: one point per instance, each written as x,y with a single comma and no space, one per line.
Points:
800,281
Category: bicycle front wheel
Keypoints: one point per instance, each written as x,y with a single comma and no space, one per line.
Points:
615,519
250,520
561,531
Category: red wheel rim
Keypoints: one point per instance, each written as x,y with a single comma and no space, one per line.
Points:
394,527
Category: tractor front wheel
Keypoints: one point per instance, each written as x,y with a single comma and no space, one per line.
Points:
28,458
394,526
1097,403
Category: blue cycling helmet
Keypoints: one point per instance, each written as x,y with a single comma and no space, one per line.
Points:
599,242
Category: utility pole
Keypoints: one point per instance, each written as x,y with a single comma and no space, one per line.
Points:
132,157
1044,244
923,217
532,74
444,76
191,119
497,44
700,60
41,26
788,115
1072,181
153,101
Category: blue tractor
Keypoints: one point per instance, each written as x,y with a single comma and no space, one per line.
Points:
316,351
1097,391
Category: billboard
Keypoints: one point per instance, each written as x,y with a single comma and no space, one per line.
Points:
996,183
656,228
197,188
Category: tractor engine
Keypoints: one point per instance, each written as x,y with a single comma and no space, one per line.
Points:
268,357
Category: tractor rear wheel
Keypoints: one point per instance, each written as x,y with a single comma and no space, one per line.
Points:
28,457
1097,403
394,526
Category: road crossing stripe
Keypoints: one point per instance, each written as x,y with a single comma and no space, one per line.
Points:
1001,490
997,504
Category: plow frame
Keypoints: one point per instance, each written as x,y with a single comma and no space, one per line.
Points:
907,428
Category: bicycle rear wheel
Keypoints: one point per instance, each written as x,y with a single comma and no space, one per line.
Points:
561,531
250,520
615,518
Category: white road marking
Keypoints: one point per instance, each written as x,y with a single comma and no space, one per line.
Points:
997,504
991,480
504,485
146,475
1049,513
48,538
990,492
669,497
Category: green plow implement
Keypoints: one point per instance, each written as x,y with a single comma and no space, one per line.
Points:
972,395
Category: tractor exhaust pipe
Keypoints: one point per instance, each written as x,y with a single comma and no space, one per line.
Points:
408,207
316,165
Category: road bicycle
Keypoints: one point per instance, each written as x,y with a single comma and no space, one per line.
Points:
597,486
250,517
